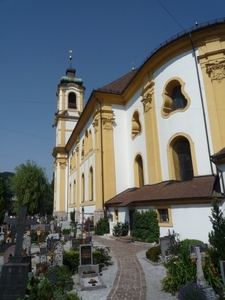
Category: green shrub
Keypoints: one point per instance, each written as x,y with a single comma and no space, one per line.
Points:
121,229
41,288
71,259
145,226
102,226
153,253
101,254
66,231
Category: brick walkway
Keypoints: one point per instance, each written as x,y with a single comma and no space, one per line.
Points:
130,278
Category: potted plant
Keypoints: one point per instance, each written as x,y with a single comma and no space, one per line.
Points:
66,232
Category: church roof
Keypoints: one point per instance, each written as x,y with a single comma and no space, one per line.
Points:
219,153
118,86
70,77
201,187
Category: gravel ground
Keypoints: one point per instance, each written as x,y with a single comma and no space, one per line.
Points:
153,275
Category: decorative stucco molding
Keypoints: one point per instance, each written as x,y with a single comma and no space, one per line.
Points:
216,71
95,125
108,123
147,102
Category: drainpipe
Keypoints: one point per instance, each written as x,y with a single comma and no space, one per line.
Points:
202,102
101,152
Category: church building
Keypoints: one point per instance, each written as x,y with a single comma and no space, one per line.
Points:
152,139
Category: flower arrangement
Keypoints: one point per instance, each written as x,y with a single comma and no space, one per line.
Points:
89,272
92,281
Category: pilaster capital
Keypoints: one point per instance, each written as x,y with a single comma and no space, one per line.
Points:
216,70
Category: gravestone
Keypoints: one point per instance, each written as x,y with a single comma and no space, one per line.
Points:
2,234
86,254
14,274
164,246
76,243
58,258
10,252
202,247
27,243
210,293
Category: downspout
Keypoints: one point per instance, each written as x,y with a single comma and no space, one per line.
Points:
101,153
202,102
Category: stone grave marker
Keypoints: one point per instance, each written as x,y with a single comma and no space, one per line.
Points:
86,254
27,243
76,243
58,257
10,252
14,274
210,293
2,234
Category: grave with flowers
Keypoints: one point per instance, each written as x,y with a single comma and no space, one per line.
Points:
199,255
89,276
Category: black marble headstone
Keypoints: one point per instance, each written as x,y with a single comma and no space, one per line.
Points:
13,281
27,259
85,254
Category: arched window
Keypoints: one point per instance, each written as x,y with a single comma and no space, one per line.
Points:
74,192
182,160
90,140
82,150
70,195
82,188
72,100
91,184
174,96
179,101
136,125
139,172
86,143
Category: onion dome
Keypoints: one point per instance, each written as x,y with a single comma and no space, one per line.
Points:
70,75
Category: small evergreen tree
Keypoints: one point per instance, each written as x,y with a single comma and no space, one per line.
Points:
146,226
217,235
102,226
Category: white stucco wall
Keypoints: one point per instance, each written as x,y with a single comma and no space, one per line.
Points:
190,222
189,121
127,148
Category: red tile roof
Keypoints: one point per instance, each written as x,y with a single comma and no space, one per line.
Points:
118,86
198,188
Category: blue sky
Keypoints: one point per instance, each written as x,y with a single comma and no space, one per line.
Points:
108,38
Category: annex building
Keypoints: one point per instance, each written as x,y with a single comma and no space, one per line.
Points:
152,139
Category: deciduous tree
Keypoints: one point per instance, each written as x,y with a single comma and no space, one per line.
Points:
2,199
30,186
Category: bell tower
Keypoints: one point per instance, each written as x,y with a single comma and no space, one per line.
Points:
70,104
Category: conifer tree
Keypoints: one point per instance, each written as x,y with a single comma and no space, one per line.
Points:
217,235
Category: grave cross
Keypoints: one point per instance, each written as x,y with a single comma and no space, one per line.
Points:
200,275
20,222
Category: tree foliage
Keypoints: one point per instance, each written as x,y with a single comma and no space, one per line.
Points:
145,226
30,186
2,199
217,235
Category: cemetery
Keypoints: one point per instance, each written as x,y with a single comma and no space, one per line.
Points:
43,264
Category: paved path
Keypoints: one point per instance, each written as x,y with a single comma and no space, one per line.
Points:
130,279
